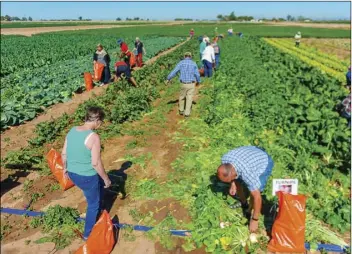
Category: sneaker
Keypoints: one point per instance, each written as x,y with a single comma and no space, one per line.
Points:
102,84
181,113
186,116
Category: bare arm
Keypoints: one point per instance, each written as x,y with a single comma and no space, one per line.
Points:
63,155
96,157
257,203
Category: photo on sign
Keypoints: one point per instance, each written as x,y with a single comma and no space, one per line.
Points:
289,186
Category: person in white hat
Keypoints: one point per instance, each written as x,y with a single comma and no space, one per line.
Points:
298,38
139,47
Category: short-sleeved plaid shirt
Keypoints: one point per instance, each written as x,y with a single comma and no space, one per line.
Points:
250,163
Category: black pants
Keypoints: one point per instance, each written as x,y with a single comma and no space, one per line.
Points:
106,76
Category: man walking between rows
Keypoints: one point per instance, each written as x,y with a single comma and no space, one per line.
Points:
189,77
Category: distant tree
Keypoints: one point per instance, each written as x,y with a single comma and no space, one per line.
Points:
232,16
7,18
15,18
80,18
30,18
289,17
220,17
147,19
24,19
118,19
137,18
301,18
282,19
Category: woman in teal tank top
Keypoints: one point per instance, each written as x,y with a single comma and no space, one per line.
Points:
82,162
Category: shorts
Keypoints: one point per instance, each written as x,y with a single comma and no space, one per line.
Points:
123,70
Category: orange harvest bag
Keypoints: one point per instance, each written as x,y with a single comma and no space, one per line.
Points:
98,70
289,226
101,240
201,72
132,60
88,80
56,166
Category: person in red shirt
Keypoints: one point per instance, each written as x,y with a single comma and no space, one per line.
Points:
125,53
121,68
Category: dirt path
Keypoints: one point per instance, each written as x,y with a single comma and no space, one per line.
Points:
28,31
17,137
151,135
315,25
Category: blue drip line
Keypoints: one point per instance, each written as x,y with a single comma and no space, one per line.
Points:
321,246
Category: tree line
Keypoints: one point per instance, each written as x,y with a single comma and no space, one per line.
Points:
14,18
233,17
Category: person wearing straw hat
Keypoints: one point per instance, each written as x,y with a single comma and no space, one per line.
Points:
139,47
191,33
101,56
189,78
298,38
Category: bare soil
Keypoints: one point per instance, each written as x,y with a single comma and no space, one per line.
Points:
29,31
156,140
315,25
17,137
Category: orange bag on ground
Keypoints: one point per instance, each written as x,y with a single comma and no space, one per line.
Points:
56,166
88,80
201,72
98,70
289,227
101,240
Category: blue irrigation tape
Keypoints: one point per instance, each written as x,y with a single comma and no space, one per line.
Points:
327,247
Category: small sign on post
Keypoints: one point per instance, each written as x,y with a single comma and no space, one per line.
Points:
285,185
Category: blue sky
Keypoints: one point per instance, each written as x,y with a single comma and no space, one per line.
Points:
171,10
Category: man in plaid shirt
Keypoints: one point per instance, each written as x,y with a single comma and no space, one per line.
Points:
247,166
189,77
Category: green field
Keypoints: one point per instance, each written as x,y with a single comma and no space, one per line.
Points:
264,94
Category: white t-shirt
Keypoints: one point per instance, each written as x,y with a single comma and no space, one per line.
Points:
208,54
230,30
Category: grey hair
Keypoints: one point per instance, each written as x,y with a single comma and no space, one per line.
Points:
94,114
228,169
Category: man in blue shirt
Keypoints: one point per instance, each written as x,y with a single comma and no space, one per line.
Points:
247,166
189,77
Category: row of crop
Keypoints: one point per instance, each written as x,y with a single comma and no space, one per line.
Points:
25,94
316,52
121,102
21,53
325,69
250,105
298,104
325,59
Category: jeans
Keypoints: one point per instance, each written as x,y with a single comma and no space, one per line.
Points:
348,117
263,178
93,190
106,76
208,68
217,60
